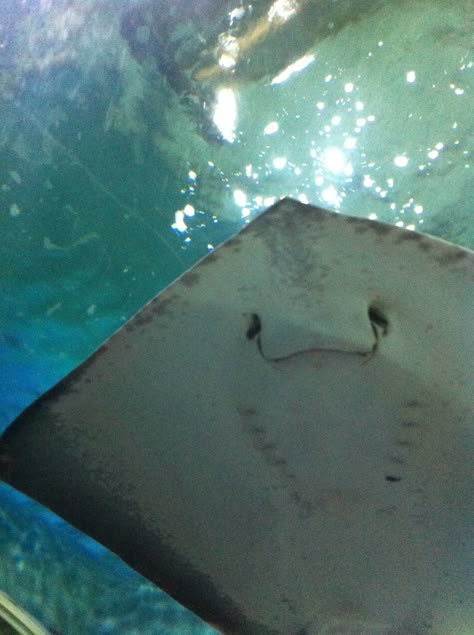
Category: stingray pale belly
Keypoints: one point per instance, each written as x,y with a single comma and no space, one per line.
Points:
282,439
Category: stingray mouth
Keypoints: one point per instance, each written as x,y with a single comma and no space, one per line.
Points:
377,319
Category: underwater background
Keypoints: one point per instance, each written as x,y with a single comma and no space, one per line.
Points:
135,136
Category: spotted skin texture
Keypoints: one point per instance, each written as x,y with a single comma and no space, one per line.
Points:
282,439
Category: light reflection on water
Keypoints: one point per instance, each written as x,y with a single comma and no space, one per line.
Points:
375,132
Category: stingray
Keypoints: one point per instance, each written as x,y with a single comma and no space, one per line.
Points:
282,439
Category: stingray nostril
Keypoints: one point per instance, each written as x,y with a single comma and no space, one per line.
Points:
378,319
255,327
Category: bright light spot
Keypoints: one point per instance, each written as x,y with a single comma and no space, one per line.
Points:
348,170
269,200
328,78
319,180
14,210
320,105
418,209
245,212
349,87
399,223
271,128
240,197
459,91
330,196
334,160
226,60
439,145
373,216
189,210
179,223
380,43
248,170
211,164
368,181
192,175
225,113
433,154
401,161
279,163
282,10
236,14
390,182
411,77
371,118
410,227
336,120
297,171
296,67
229,45
455,125
303,199
359,105
350,143
361,121
210,247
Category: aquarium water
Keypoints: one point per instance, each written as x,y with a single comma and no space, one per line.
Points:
135,136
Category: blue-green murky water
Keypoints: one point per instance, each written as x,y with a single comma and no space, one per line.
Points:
131,144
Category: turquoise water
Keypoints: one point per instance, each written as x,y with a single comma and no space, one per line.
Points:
127,152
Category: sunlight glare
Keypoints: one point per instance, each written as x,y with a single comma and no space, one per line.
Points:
334,160
290,70
225,113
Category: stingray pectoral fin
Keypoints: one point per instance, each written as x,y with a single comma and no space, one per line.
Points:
261,470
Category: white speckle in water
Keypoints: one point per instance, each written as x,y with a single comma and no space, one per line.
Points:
401,161
14,210
279,163
271,128
15,176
